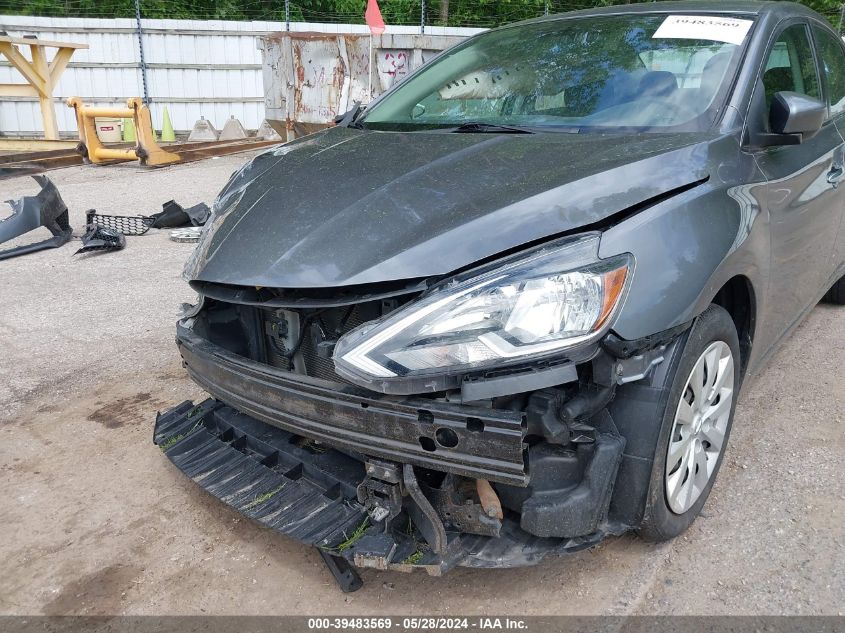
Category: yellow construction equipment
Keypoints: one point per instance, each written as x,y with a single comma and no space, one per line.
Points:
146,148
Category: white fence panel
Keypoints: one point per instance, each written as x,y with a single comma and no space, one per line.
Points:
194,68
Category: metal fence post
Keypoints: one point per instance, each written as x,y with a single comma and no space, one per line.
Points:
287,15
546,8
422,18
141,51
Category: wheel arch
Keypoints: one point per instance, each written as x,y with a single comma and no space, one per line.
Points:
738,298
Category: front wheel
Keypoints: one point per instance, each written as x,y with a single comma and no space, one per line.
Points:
695,427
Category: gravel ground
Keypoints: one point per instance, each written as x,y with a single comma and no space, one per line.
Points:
97,521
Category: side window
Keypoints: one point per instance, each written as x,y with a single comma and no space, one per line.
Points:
833,65
791,66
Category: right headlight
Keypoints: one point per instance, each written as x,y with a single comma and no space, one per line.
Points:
535,305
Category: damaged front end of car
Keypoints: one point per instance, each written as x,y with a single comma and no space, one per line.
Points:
427,423
409,382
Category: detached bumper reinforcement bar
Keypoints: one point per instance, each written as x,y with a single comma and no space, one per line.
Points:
469,441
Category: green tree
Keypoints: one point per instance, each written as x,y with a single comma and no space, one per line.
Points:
486,13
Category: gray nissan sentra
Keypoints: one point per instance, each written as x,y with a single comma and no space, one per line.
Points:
506,309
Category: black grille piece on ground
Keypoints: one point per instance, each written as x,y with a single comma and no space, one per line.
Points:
171,216
289,484
126,224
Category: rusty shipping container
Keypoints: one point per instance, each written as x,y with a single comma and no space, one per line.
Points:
310,78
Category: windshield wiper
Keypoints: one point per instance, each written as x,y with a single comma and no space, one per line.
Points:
478,128
350,118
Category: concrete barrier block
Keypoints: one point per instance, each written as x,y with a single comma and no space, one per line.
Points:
203,130
233,130
267,132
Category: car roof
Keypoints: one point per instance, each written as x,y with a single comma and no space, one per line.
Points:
775,8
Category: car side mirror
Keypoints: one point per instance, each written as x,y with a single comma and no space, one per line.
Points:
793,119
794,113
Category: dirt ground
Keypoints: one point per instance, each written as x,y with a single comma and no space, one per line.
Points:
95,520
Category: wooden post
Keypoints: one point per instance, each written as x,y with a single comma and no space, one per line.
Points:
40,75
45,92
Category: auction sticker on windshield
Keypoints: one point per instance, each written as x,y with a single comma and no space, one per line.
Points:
703,27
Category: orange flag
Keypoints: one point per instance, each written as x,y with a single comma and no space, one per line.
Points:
373,18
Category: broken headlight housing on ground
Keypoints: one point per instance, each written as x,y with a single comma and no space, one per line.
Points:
530,306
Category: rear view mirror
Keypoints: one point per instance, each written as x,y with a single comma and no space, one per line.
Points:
793,119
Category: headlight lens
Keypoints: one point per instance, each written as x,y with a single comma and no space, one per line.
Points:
554,298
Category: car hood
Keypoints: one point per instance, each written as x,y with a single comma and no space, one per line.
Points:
346,207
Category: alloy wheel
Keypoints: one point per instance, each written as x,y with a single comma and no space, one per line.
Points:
699,428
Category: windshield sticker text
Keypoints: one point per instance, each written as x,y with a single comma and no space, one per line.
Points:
703,27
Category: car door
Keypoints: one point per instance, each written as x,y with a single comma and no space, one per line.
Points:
831,54
802,195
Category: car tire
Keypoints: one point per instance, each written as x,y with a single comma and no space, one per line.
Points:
836,295
677,487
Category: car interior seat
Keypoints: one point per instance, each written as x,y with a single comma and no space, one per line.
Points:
657,84
777,80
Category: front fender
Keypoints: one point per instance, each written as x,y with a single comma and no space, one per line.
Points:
686,248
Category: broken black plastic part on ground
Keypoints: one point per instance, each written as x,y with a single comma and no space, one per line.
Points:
173,215
100,238
344,574
45,209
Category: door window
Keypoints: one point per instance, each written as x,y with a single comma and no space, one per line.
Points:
791,66
833,69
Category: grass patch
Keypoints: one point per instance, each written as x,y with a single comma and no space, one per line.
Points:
262,498
414,558
354,537
176,438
